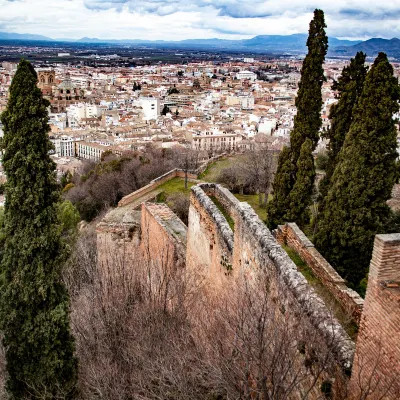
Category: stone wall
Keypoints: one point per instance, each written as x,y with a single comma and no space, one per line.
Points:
118,238
209,240
377,361
223,256
351,302
154,184
163,239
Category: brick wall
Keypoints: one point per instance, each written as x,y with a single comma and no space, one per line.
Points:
209,240
377,360
154,184
251,248
351,302
163,236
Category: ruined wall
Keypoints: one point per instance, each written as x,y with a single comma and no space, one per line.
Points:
251,248
377,361
118,238
209,240
352,303
154,184
163,239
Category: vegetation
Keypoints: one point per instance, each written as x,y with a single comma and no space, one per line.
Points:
102,185
300,196
307,124
34,303
355,206
349,87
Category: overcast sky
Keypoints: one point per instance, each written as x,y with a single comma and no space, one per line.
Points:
189,19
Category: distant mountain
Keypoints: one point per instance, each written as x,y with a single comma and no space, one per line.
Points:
269,43
372,47
22,36
292,44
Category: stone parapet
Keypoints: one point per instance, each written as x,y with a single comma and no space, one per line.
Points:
377,361
154,184
254,248
351,302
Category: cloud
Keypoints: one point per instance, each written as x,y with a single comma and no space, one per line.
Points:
188,19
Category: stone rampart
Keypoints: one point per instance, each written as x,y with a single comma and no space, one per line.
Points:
209,240
163,239
351,302
222,255
377,361
154,184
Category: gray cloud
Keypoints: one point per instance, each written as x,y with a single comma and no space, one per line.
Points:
357,9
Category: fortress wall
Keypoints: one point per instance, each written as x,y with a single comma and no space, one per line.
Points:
154,184
253,249
291,235
118,239
377,360
163,239
209,240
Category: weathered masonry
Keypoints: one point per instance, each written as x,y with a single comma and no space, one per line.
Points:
225,241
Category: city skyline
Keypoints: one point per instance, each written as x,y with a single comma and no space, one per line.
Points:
177,19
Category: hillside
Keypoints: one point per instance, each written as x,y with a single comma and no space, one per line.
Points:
372,47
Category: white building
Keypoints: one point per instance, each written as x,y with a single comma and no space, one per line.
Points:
151,107
76,112
246,102
64,145
267,126
246,75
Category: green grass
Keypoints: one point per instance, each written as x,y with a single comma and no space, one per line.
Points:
224,213
252,199
349,326
175,185
213,170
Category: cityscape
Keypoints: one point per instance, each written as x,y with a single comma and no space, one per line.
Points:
199,200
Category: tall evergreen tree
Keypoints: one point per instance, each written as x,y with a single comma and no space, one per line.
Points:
278,207
349,87
34,307
307,121
355,207
300,199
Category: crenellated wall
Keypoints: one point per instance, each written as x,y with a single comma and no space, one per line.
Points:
351,302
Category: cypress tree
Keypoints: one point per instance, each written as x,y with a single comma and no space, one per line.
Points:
355,207
278,207
300,199
307,121
34,308
349,87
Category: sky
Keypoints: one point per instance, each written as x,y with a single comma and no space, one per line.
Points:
197,19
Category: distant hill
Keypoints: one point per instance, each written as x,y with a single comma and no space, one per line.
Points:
372,47
292,44
22,36
266,43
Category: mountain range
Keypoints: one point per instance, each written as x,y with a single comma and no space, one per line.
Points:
293,44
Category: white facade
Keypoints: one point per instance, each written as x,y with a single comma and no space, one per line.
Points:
246,75
67,146
246,102
75,113
151,107
267,126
